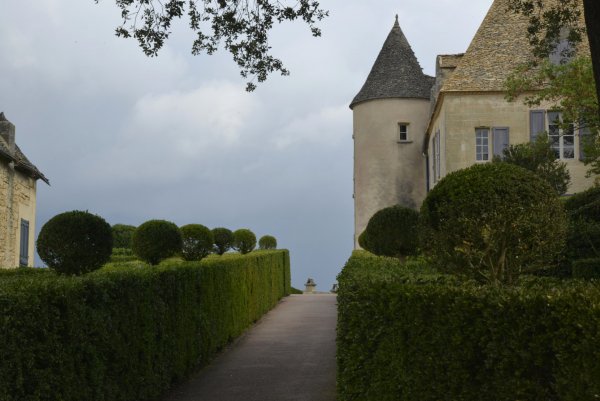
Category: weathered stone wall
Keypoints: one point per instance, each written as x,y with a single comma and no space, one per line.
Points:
461,113
17,201
386,170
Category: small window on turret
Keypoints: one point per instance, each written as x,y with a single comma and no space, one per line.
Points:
403,128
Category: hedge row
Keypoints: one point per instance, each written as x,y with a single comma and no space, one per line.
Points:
408,334
126,333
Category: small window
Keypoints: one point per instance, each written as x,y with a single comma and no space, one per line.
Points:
562,51
482,146
403,128
24,246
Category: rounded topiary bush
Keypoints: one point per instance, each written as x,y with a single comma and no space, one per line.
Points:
392,231
156,240
197,241
122,235
223,239
493,222
244,240
267,242
75,242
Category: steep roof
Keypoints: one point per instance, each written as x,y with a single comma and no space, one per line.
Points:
499,46
21,161
396,72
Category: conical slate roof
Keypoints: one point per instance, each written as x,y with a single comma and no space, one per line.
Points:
396,72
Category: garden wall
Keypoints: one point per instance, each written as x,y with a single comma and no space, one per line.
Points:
127,333
408,333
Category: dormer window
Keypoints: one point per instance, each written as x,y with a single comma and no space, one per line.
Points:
403,132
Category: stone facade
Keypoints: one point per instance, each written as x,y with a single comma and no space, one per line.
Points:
464,102
17,201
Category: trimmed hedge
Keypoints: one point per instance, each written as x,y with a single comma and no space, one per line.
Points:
127,334
267,242
587,268
122,235
244,240
405,333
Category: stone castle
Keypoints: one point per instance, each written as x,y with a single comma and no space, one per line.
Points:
410,129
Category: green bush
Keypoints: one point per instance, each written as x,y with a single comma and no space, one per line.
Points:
492,222
587,268
584,200
223,238
362,240
295,291
406,333
127,334
392,231
197,241
539,158
75,242
122,235
244,240
120,255
156,240
267,242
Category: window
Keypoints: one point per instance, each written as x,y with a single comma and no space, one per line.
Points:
24,246
500,141
482,152
562,52
561,136
436,156
403,128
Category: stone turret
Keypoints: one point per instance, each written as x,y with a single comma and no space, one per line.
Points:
7,131
390,115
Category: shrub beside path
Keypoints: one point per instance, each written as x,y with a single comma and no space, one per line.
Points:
289,355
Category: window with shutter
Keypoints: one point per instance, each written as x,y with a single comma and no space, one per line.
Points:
501,141
482,146
24,243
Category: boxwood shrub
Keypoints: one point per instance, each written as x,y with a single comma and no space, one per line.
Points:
493,222
392,231
223,238
122,235
406,333
267,242
127,334
244,240
197,241
75,242
156,240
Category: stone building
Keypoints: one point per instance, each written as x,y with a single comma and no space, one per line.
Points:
18,177
410,130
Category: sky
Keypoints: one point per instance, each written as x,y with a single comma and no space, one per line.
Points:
177,137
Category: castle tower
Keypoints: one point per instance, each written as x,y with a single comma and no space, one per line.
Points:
390,116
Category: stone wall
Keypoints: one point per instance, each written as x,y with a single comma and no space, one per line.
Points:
461,113
17,201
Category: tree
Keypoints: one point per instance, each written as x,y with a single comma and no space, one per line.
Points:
548,23
541,159
241,27
569,88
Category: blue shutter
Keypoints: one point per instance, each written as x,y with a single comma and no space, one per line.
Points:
24,248
536,123
501,140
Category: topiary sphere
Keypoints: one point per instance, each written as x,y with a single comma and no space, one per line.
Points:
223,239
492,222
75,242
267,242
244,240
122,235
197,241
392,231
156,240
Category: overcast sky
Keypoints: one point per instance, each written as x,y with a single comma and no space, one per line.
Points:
176,137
